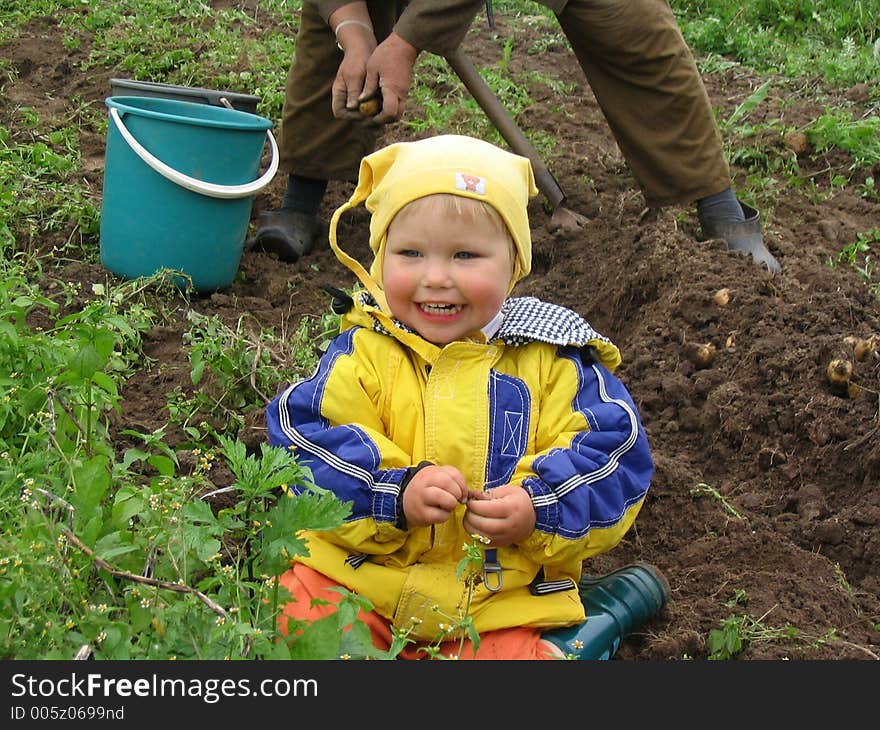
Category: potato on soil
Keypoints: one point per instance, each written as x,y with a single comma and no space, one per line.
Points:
838,372
864,349
721,297
702,355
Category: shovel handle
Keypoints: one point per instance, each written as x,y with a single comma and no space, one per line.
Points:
492,107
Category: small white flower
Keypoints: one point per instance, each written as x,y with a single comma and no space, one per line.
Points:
98,290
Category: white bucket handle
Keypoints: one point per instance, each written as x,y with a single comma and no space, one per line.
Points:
212,190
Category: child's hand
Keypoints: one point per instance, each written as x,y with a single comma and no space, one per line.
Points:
432,495
504,515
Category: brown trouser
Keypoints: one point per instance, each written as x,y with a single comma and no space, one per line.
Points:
636,62
313,142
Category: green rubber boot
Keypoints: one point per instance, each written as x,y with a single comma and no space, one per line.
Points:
616,604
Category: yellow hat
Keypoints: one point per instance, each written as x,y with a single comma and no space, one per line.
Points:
400,173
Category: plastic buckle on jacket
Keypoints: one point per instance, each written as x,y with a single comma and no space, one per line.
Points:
492,571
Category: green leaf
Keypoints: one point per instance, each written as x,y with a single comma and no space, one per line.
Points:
203,546
139,616
749,105
310,510
91,528
115,634
131,456
93,354
23,302
113,545
197,371
105,383
162,464
201,529
199,512
126,508
329,638
91,480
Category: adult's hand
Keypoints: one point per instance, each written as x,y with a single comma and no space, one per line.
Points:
358,44
390,71
383,72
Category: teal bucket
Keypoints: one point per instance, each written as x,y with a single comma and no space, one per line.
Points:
179,182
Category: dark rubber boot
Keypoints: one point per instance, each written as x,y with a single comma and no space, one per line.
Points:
289,234
616,604
744,237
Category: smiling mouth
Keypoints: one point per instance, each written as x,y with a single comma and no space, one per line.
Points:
429,308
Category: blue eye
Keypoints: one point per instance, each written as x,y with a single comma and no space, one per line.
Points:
466,255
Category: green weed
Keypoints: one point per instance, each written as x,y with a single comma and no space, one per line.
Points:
705,490
837,129
237,371
868,189
461,626
738,632
39,191
841,579
859,254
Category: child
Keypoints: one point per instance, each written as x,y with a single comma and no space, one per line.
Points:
446,409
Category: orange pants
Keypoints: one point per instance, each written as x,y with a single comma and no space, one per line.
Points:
304,584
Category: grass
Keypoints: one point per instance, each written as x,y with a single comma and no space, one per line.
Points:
120,542
794,38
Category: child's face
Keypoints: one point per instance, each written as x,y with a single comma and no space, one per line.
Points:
443,275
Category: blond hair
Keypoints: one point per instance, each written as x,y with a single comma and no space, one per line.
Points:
470,210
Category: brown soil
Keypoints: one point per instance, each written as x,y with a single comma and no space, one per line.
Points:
794,528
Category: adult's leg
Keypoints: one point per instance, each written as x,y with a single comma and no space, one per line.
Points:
315,147
649,88
647,83
314,143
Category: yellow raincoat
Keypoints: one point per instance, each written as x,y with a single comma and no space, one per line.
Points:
534,406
